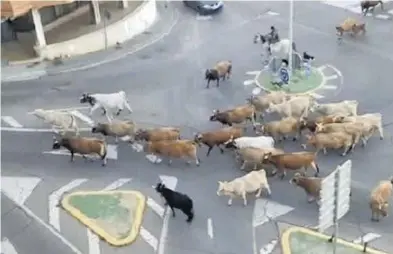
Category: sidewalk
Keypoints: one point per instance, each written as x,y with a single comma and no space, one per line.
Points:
166,20
297,240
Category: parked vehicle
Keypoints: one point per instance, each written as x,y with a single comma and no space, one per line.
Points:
205,7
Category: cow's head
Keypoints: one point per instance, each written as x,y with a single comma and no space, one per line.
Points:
319,127
214,117
99,128
222,188
267,156
198,138
296,178
259,128
141,134
338,119
159,187
87,98
271,108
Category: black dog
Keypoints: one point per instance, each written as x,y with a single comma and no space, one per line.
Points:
176,200
307,56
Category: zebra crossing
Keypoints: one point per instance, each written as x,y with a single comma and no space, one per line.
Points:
33,192
354,7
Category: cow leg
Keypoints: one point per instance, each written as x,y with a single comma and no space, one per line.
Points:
218,82
72,156
259,192
173,211
324,150
169,161
284,173
230,201
380,130
208,83
244,196
118,111
243,165
127,106
209,150
197,161
221,150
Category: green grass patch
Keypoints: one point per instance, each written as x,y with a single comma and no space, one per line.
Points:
299,83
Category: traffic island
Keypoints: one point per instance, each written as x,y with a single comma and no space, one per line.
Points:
299,84
297,240
115,216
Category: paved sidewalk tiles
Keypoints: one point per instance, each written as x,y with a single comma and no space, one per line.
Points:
298,240
115,216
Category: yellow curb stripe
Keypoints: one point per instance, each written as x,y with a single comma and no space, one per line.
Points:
286,248
323,82
136,221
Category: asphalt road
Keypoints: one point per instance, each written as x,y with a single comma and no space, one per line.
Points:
165,86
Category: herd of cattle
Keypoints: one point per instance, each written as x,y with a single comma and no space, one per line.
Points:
323,126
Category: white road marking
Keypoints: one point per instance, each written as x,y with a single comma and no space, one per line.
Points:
93,239
367,238
19,188
317,96
111,153
253,73
125,138
51,229
210,228
390,11
63,109
265,209
11,121
249,82
383,16
82,117
331,77
321,68
272,13
149,238
54,199
268,248
13,129
329,87
171,183
159,210
7,247
204,17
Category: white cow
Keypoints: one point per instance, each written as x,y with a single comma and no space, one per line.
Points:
343,108
252,182
60,119
374,119
297,107
256,142
112,101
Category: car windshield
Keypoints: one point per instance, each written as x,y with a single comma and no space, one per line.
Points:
208,2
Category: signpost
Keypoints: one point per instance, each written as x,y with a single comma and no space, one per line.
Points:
335,199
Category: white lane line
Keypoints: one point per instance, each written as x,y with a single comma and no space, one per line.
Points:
210,228
272,13
62,109
253,73
367,238
7,247
329,87
331,77
111,153
159,210
248,82
390,11
317,96
13,129
125,138
171,183
11,121
51,229
93,239
54,199
204,17
19,188
268,248
321,68
82,117
149,238
383,16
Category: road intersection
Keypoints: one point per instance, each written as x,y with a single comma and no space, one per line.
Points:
161,94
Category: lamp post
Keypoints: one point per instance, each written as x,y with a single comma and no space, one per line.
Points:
290,60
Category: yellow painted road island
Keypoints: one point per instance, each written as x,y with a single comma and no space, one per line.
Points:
115,216
297,240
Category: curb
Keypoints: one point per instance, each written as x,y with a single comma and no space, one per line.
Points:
137,220
285,242
323,82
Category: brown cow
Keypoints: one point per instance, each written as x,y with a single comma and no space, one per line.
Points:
379,199
311,185
218,137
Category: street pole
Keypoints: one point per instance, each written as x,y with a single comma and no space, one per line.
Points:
290,40
337,194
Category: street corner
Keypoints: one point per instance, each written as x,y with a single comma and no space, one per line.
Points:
115,216
298,240
300,83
